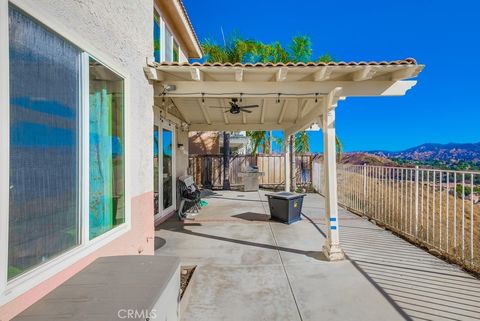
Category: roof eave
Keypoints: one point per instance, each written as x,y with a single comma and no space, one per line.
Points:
193,45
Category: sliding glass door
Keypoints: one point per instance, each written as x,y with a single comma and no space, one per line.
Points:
164,167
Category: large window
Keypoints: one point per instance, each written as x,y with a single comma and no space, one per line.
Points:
57,127
157,39
44,148
107,199
165,47
168,45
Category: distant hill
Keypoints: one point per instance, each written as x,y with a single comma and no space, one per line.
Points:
366,158
449,153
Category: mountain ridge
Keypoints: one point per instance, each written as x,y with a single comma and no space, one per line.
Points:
450,152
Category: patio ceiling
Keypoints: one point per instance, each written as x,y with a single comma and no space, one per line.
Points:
291,96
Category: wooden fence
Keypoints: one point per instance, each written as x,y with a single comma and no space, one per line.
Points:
208,170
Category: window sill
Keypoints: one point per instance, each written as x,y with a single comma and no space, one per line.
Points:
43,272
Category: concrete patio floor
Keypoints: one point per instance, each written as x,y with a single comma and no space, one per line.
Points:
253,269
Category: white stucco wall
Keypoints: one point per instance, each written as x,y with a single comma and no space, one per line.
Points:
182,156
123,31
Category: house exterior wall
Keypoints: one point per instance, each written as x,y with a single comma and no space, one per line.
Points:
122,31
119,34
204,143
167,21
182,153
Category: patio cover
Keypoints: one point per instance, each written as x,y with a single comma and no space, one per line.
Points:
291,96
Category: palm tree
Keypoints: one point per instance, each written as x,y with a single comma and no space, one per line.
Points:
237,49
257,139
302,144
339,148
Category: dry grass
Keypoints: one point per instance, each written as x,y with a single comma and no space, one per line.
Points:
444,220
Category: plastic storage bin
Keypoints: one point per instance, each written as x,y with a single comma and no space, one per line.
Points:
285,207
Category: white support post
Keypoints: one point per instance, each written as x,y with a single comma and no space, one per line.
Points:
331,249
293,163
286,140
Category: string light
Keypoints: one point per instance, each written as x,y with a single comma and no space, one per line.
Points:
232,94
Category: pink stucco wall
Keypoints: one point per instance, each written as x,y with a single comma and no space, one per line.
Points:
139,240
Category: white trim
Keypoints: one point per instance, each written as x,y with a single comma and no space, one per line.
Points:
190,32
85,148
162,31
28,280
43,272
163,123
162,38
160,23
163,28
166,27
127,136
4,143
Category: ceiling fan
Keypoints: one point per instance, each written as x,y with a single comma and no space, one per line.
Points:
235,108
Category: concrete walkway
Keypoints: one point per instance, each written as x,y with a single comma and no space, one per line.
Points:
253,269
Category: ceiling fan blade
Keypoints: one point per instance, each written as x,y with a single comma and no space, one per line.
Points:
217,107
227,111
250,106
246,111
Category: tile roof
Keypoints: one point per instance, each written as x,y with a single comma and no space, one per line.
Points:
407,61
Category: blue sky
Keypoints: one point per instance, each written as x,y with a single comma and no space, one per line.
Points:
444,35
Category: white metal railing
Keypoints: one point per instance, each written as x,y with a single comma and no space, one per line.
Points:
439,209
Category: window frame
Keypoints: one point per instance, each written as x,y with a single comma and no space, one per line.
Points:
161,25
170,40
10,289
163,39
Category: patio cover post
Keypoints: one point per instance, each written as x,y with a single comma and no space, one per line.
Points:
331,249
293,163
286,146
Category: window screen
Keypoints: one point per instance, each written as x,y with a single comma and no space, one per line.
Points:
44,148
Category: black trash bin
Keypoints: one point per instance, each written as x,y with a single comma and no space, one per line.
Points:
285,207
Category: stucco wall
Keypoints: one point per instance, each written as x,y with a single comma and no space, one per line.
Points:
123,31
182,155
204,143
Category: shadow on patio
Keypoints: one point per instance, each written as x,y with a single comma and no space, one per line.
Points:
254,269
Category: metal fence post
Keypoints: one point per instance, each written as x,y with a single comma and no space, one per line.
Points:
364,189
416,201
